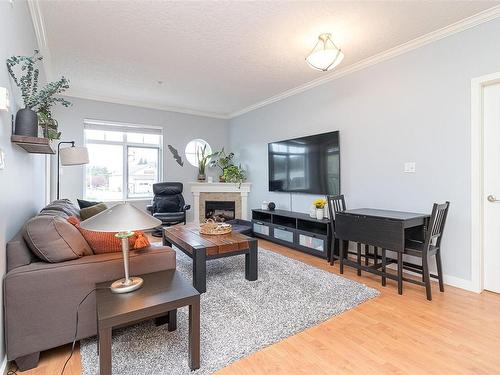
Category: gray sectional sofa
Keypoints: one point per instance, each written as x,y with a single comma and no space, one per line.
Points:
42,291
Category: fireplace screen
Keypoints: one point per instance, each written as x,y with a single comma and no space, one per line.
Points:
220,210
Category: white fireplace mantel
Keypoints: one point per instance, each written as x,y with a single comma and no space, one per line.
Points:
220,187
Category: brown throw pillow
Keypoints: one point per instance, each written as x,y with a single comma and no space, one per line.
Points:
88,212
53,239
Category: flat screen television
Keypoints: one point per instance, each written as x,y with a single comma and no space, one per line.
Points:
306,165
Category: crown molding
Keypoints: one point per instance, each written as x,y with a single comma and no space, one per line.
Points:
454,28
108,99
41,36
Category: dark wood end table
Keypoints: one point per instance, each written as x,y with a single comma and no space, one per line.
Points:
160,296
202,247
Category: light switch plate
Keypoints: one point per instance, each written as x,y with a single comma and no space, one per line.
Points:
410,167
2,159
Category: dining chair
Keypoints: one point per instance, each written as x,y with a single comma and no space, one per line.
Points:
430,246
336,203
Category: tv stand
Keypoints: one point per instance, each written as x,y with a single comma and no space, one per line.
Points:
293,229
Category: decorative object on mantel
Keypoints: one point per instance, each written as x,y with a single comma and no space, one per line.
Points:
176,155
222,161
27,120
203,159
320,207
211,227
234,174
70,156
271,206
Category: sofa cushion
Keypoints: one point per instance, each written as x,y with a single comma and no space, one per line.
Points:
106,242
84,204
53,239
62,207
88,212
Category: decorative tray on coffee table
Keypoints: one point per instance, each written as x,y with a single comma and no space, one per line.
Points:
214,228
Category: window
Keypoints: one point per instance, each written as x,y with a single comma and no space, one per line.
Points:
196,146
124,160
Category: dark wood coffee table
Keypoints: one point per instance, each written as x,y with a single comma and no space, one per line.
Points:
203,247
162,293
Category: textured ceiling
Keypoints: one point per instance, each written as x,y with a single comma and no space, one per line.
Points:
220,57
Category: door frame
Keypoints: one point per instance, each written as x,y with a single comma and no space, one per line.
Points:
477,178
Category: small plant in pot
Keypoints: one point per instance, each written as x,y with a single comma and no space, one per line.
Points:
203,159
222,161
320,207
37,102
234,174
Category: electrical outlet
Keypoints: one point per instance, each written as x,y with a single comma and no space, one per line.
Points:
410,167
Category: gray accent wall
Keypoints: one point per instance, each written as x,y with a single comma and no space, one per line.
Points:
22,182
178,130
411,108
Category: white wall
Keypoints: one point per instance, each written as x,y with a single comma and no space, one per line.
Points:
415,107
178,130
22,182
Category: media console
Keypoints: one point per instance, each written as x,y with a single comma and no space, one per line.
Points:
293,229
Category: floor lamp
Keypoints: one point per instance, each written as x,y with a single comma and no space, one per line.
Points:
70,156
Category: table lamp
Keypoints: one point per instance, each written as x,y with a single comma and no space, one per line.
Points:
122,218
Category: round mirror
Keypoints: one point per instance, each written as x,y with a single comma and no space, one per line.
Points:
195,147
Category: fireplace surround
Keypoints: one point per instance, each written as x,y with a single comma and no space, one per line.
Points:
220,191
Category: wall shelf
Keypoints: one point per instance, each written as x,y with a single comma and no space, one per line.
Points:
33,145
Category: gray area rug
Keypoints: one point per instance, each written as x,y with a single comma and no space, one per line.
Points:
238,317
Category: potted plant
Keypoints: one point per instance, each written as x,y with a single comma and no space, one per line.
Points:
35,99
222,161
203,159
320,207
234,174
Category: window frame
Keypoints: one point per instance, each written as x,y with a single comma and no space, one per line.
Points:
124,128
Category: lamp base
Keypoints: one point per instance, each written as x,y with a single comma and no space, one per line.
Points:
125,286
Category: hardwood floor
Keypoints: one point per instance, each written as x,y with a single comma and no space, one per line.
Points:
457,333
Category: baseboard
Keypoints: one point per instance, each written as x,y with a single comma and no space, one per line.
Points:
459,283
3,366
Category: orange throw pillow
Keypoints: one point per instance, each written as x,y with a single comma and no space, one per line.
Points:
106,242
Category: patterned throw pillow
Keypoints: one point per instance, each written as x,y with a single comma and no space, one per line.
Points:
106,242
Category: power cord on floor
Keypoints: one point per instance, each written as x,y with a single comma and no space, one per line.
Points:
76,330
13,372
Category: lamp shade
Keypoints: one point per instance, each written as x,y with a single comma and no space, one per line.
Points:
325,54
120,218
74,155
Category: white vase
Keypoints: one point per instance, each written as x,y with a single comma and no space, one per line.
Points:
312,211
319,213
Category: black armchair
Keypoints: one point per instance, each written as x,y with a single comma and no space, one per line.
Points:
168,204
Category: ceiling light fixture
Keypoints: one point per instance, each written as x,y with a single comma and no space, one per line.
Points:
325,55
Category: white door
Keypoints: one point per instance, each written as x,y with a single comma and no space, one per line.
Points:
491,121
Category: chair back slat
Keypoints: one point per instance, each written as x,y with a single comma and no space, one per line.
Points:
336,203
436,225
